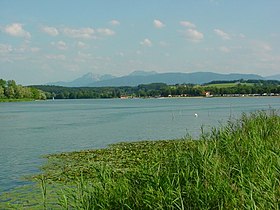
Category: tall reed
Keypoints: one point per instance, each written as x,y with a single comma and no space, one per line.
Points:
236,166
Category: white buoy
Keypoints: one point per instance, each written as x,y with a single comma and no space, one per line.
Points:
196,115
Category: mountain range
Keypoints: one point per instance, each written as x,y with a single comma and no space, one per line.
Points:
144,77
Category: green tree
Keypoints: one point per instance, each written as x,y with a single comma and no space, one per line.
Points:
2,91
19,91
10,92
36,93
11,83
3,83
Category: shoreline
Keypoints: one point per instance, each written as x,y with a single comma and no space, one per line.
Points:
172,97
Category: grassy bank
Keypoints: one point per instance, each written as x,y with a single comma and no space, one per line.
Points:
234,167
15,100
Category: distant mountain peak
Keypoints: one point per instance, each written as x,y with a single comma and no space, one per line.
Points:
91,75
84,80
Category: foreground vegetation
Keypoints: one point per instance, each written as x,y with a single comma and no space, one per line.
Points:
236,166
217,88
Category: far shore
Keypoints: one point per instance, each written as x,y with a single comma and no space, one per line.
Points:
170,97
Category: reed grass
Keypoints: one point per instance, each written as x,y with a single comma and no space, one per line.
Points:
236,166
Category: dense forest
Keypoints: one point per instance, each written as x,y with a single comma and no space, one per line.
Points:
216,88
10,90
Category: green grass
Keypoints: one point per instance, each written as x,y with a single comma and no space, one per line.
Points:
15,100
227,85
236,166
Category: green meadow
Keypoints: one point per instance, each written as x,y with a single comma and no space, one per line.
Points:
228,85
235,166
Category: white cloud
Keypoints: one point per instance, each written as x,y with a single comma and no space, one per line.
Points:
260,46
56,57
5,48
163,44
81,44
222,34
224,49
105,31
194,35
61,45
265,47
158,24
16,29
187,24
146,42
52,31
85,55
115,22
121,54
26,49
85,33
242,36
34,49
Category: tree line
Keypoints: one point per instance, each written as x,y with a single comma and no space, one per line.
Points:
10,90
258,87
162,90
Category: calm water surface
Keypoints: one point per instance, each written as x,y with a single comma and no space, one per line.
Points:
31,129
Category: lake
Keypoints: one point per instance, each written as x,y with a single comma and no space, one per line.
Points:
29,130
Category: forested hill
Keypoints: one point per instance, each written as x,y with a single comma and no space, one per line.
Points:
173,78
218,88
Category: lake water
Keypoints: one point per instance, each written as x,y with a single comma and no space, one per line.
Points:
31,129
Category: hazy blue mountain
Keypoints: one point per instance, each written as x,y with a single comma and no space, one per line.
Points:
84,80
273,77
142,73
144,77
172,78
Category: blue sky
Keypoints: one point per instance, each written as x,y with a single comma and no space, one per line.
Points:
44,41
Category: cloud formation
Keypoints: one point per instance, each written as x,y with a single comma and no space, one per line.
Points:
5,48
158,24
222,34
146,42
224,49
194,35
56,57
261,46
115,22
85,33
16,29
61,45
105,31
52,31
81,45
187,24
